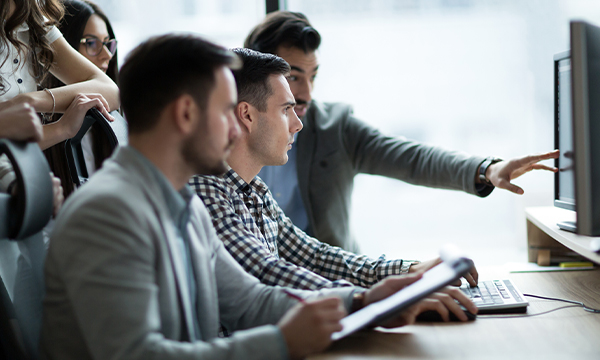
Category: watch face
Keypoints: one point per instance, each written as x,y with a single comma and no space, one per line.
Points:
405,267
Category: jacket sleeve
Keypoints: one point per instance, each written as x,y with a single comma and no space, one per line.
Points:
372,152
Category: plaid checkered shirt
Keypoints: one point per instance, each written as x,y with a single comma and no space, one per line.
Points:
266,243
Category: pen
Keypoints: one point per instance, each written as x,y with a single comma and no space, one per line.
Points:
293,296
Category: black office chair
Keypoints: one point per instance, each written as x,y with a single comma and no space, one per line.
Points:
22,250
115,131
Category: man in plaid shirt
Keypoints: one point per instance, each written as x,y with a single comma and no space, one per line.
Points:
248,220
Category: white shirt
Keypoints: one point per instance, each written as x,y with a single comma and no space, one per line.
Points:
17,74
17,77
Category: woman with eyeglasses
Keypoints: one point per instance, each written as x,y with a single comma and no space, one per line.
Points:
31,47
87,29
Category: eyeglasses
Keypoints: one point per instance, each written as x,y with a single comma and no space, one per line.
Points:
93,45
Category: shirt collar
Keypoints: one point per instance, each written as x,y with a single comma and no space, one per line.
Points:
177,202
242,186
22,28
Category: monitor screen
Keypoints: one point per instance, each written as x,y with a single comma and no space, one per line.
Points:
564,185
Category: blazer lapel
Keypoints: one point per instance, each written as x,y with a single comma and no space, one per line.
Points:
151,191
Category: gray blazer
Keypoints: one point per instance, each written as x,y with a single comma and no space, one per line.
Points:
115,280
334,146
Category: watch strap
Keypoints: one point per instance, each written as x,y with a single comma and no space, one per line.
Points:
358,301
483,169
405,266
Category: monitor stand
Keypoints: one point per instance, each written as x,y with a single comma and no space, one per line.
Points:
568,226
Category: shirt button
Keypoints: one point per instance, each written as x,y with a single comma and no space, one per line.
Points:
16,61
20,81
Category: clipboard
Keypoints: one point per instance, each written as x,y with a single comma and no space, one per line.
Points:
454,265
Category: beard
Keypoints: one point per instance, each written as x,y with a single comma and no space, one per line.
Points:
200,161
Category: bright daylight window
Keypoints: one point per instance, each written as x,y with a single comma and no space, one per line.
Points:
470,75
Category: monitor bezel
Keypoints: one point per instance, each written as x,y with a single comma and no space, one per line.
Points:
557,201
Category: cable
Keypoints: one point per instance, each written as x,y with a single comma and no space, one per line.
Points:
576,304
595,311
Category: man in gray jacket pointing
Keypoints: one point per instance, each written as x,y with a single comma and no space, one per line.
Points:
315,187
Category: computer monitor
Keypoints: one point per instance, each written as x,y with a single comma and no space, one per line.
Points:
582,159
564,179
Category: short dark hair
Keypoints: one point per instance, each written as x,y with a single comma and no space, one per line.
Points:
252,80
163,68
283,28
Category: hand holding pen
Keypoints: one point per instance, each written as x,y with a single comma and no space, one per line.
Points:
307,326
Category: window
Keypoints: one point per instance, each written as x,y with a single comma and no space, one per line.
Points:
470,75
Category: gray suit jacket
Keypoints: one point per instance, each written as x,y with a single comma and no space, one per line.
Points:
334,146
115,287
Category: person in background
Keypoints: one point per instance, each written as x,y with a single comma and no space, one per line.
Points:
254,229
315,187
20,122
31,47
87,29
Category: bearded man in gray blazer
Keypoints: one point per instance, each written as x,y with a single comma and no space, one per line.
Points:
135,269
314,188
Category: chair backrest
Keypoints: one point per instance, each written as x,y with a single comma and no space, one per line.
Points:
115,132
22,250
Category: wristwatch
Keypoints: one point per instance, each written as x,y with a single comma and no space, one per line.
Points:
358,301
483,169
405,266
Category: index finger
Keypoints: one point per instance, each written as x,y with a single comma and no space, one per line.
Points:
474,275
461,298
545,156
105,107
106,114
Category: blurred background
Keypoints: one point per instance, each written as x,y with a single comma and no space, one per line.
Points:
470,75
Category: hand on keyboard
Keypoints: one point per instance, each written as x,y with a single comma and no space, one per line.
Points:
472,277
447,300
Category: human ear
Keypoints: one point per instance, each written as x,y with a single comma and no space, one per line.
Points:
185,113
246,116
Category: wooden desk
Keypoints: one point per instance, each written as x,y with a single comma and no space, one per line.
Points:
546,241
570,333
